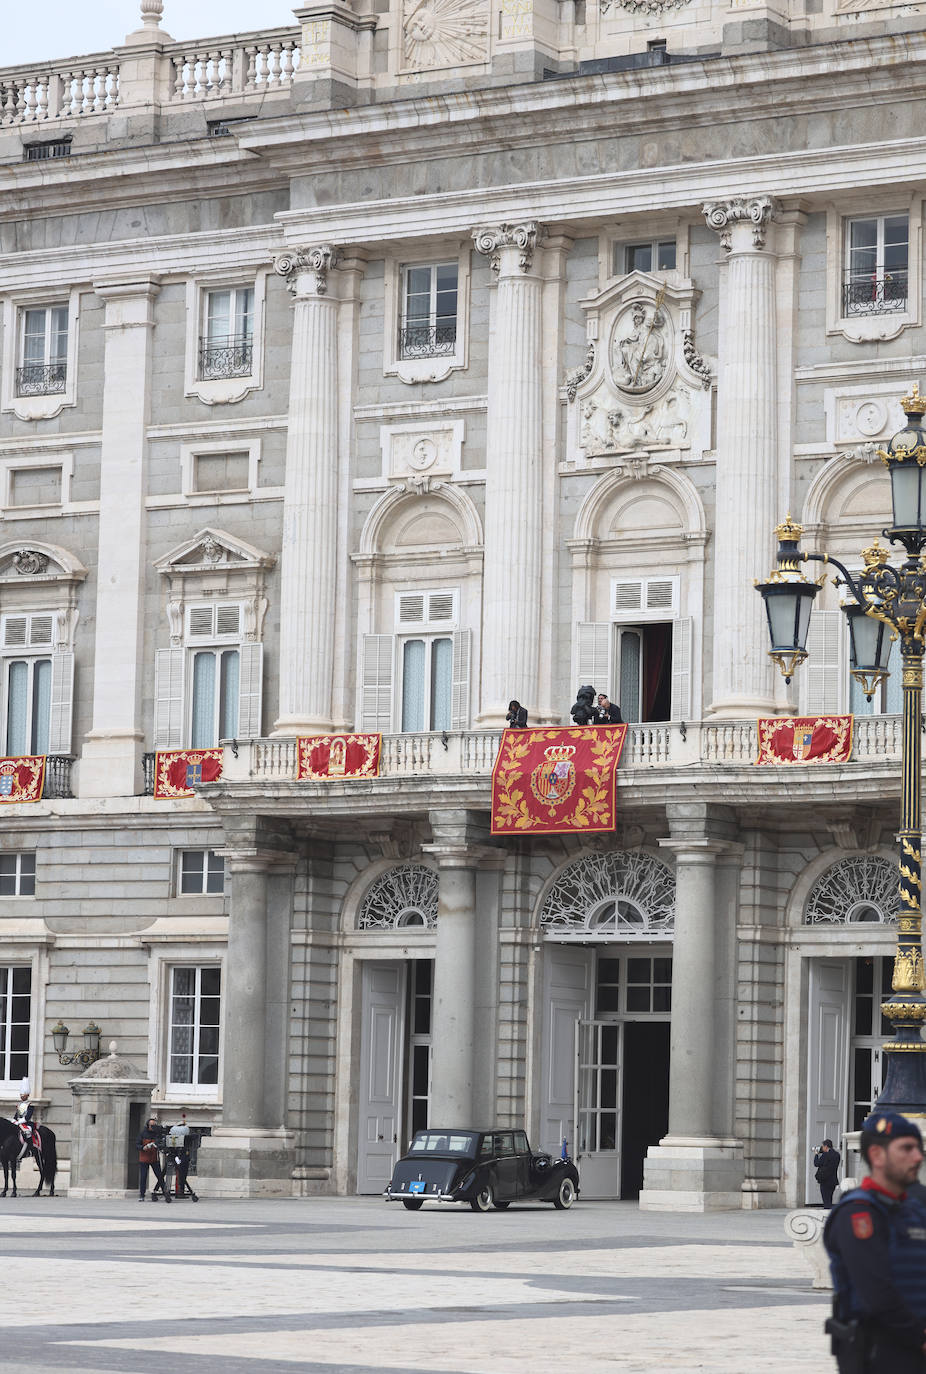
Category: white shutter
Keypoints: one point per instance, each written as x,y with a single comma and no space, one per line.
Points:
821,675
660,593
440,607
459,697
14,630
376,678
201,622
62,698
628,596
227,619
411,608
249,692
40,629
682,635
593,654
168,703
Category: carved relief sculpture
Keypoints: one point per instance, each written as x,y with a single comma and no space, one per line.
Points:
721,215
28,562
639,347
444,33
490,239
321,260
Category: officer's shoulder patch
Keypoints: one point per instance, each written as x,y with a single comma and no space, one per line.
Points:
862,1225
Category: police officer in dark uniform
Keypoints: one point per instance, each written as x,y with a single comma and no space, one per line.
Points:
876,1240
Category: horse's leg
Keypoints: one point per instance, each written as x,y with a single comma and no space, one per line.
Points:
6,1178
13,1170
41,1168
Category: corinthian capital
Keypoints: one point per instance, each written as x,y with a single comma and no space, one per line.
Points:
321,259
492,238
721,215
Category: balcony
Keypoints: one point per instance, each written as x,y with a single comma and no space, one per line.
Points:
874,294
231,355
58,776
428,340
41,379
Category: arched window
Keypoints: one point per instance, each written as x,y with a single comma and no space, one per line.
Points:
861,889
626,895
401,897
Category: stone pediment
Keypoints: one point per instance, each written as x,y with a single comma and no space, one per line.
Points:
213,550
643,388
37,562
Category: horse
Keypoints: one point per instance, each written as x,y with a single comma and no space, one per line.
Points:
10,1148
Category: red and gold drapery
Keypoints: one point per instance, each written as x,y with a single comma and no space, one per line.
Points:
805,739
22,778
556,781
176,771
330,758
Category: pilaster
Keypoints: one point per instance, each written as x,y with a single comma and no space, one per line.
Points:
513,564
747,453
111,760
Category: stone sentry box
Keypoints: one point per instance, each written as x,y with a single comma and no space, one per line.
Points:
109,1106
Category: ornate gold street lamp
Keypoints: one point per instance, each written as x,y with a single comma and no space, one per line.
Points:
885,603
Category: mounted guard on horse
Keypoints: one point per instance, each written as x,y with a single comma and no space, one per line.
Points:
25,1123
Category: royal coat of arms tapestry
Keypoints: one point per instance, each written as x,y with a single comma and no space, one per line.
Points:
22,779
805,739
177,771
328,758
556,781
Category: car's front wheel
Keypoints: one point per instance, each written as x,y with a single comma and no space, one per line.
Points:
411,1204
565,1195
484,1199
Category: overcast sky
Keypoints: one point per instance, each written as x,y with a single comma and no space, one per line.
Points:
46,29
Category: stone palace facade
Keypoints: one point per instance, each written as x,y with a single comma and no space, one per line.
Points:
368,373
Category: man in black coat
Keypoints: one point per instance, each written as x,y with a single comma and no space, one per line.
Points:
826,1163
608,713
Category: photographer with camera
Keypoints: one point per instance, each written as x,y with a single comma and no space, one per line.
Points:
516,718
148,1144
826,1163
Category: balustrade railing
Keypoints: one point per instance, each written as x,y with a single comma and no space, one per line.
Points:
58,775
41,379
89,85
428,340
874,293
255,63
229,356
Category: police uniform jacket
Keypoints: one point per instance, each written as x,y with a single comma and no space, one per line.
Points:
877,1249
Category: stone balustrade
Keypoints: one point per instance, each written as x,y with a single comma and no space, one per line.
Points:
248,65
62,90
672,745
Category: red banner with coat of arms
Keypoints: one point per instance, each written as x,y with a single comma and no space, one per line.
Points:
22,778
326,758
177,771
556,781
805,739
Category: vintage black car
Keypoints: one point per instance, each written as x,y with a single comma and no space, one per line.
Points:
484,1168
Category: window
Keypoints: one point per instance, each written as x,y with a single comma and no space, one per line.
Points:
656,256
642,659
428,325
193,1034
426,660
17,875
15,1021
876,265
43,350
28,683
216,675
201,871
226,348
41,152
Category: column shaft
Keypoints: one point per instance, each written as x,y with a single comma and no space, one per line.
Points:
514,486
692,1052
310,529
453,1024
747,460
245,999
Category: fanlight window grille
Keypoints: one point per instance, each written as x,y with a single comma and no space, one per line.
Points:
862,889
622,896
403,896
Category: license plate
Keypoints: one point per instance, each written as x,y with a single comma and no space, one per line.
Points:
417,1186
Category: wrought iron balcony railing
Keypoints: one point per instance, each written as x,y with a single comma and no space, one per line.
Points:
58,775
874,294
41,379
231,355
428,340
147,762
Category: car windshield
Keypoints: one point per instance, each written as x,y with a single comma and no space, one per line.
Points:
443,1143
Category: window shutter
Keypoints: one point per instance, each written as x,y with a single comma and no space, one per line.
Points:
660,593
440,606
628,596
62,697
249,692
227,619
593,654
201,621
14,631
40,629
411,609
682,635
376,679
168,703
821,677
459,697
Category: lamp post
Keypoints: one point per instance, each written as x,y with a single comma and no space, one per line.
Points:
85,1057
886,603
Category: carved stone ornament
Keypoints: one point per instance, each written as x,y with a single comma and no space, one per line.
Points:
211,549
643,6
321,260
721,215
577,376
444,33
664,424
491,239
28,562
694,360
641,340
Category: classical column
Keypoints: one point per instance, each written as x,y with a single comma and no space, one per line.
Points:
747,453
512,567
454,999
308,569
252,1153
698,1165
111,759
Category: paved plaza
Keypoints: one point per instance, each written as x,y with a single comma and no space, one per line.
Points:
351,1285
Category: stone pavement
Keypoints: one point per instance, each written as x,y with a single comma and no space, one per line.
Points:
354,1285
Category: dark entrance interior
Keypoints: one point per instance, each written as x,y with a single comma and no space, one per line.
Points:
645,1097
